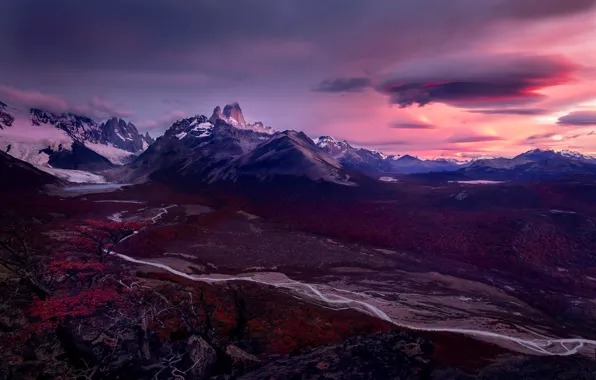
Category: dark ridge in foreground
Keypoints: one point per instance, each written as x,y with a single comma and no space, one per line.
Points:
20,177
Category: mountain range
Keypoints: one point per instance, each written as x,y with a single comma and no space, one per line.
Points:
225,148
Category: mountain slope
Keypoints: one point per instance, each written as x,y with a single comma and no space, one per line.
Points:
19,176
350,157
286,154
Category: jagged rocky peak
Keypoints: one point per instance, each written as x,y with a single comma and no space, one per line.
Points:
185,127
150,140
124,135
217,115
232,115
234,112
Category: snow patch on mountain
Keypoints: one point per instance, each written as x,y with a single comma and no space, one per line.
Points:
26,142
116,156
74,176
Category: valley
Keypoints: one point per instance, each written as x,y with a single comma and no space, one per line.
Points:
253,246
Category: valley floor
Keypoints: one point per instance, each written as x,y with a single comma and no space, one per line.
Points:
311,289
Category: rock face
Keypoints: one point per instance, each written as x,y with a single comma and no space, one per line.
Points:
391,355
234,112
202,355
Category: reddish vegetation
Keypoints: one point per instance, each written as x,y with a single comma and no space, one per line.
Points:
275,323
500,225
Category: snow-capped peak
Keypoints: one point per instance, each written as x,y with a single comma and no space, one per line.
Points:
576,155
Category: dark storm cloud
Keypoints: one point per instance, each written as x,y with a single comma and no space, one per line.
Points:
471,138
475,81
412,126
343,85
512,111
578,118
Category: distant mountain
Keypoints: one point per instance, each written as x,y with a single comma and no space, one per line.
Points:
351,157
22,177
45,138
410,165
542,154
375,162
533,164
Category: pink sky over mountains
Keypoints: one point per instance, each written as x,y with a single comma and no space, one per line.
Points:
463,79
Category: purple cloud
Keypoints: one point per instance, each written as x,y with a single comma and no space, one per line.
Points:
540,136
578,118
512,111
343,85
472,138
475,81
412,126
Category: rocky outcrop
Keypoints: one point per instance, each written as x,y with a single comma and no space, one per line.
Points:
391,355
202,357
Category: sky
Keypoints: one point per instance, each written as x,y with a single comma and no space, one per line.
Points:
458,78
